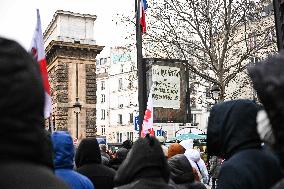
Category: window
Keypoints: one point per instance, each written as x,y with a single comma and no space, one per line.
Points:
105,60
103,114
117,137
103,87
120,137
103,98
120,84
103,130
101,61
131,136
193,119
131,118
121,68
120,118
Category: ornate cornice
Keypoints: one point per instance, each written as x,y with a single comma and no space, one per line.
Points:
71,50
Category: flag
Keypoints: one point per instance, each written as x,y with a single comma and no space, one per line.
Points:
147,126
37,50
143,8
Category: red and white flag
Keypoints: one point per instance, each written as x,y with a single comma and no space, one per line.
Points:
37,50
147,126
143,8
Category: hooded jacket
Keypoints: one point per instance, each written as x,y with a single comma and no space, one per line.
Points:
63,161
89,163
232,134
182,173
144,167
198,164
24,160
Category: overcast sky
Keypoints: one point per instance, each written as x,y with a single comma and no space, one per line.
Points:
18,17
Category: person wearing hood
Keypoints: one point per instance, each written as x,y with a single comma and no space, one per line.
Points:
25,158
144,167
267,79
198,164
63,161
89,163
232,135
119,158
182,173
187,144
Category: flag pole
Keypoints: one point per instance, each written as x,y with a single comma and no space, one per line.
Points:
141,68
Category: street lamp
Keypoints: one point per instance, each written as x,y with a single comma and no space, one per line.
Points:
77,108
215,90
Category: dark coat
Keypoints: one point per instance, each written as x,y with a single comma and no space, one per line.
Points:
279,185
215,166
88,162
25,161
182,173
144,167
232,135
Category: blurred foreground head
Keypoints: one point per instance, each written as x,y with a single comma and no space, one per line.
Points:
268,80
145,160
21,104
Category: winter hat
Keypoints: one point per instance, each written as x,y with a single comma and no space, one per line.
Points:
187,144
174,149
145,159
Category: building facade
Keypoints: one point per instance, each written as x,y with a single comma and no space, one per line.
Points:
117,95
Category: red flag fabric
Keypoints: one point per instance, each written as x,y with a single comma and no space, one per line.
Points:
143,8
37,50
147,126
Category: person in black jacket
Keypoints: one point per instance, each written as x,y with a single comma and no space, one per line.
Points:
144,167
182,173
25,151
232,135
89,163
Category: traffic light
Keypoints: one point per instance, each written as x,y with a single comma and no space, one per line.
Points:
279,22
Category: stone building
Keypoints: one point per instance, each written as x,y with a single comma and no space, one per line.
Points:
71,59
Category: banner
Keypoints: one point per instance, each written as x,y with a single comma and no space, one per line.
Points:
166,86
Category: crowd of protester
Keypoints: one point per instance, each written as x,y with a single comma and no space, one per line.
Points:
244,141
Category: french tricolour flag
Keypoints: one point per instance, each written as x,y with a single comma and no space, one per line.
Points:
143,8
37,50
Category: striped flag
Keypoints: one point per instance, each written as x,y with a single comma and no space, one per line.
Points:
37,50
143,8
